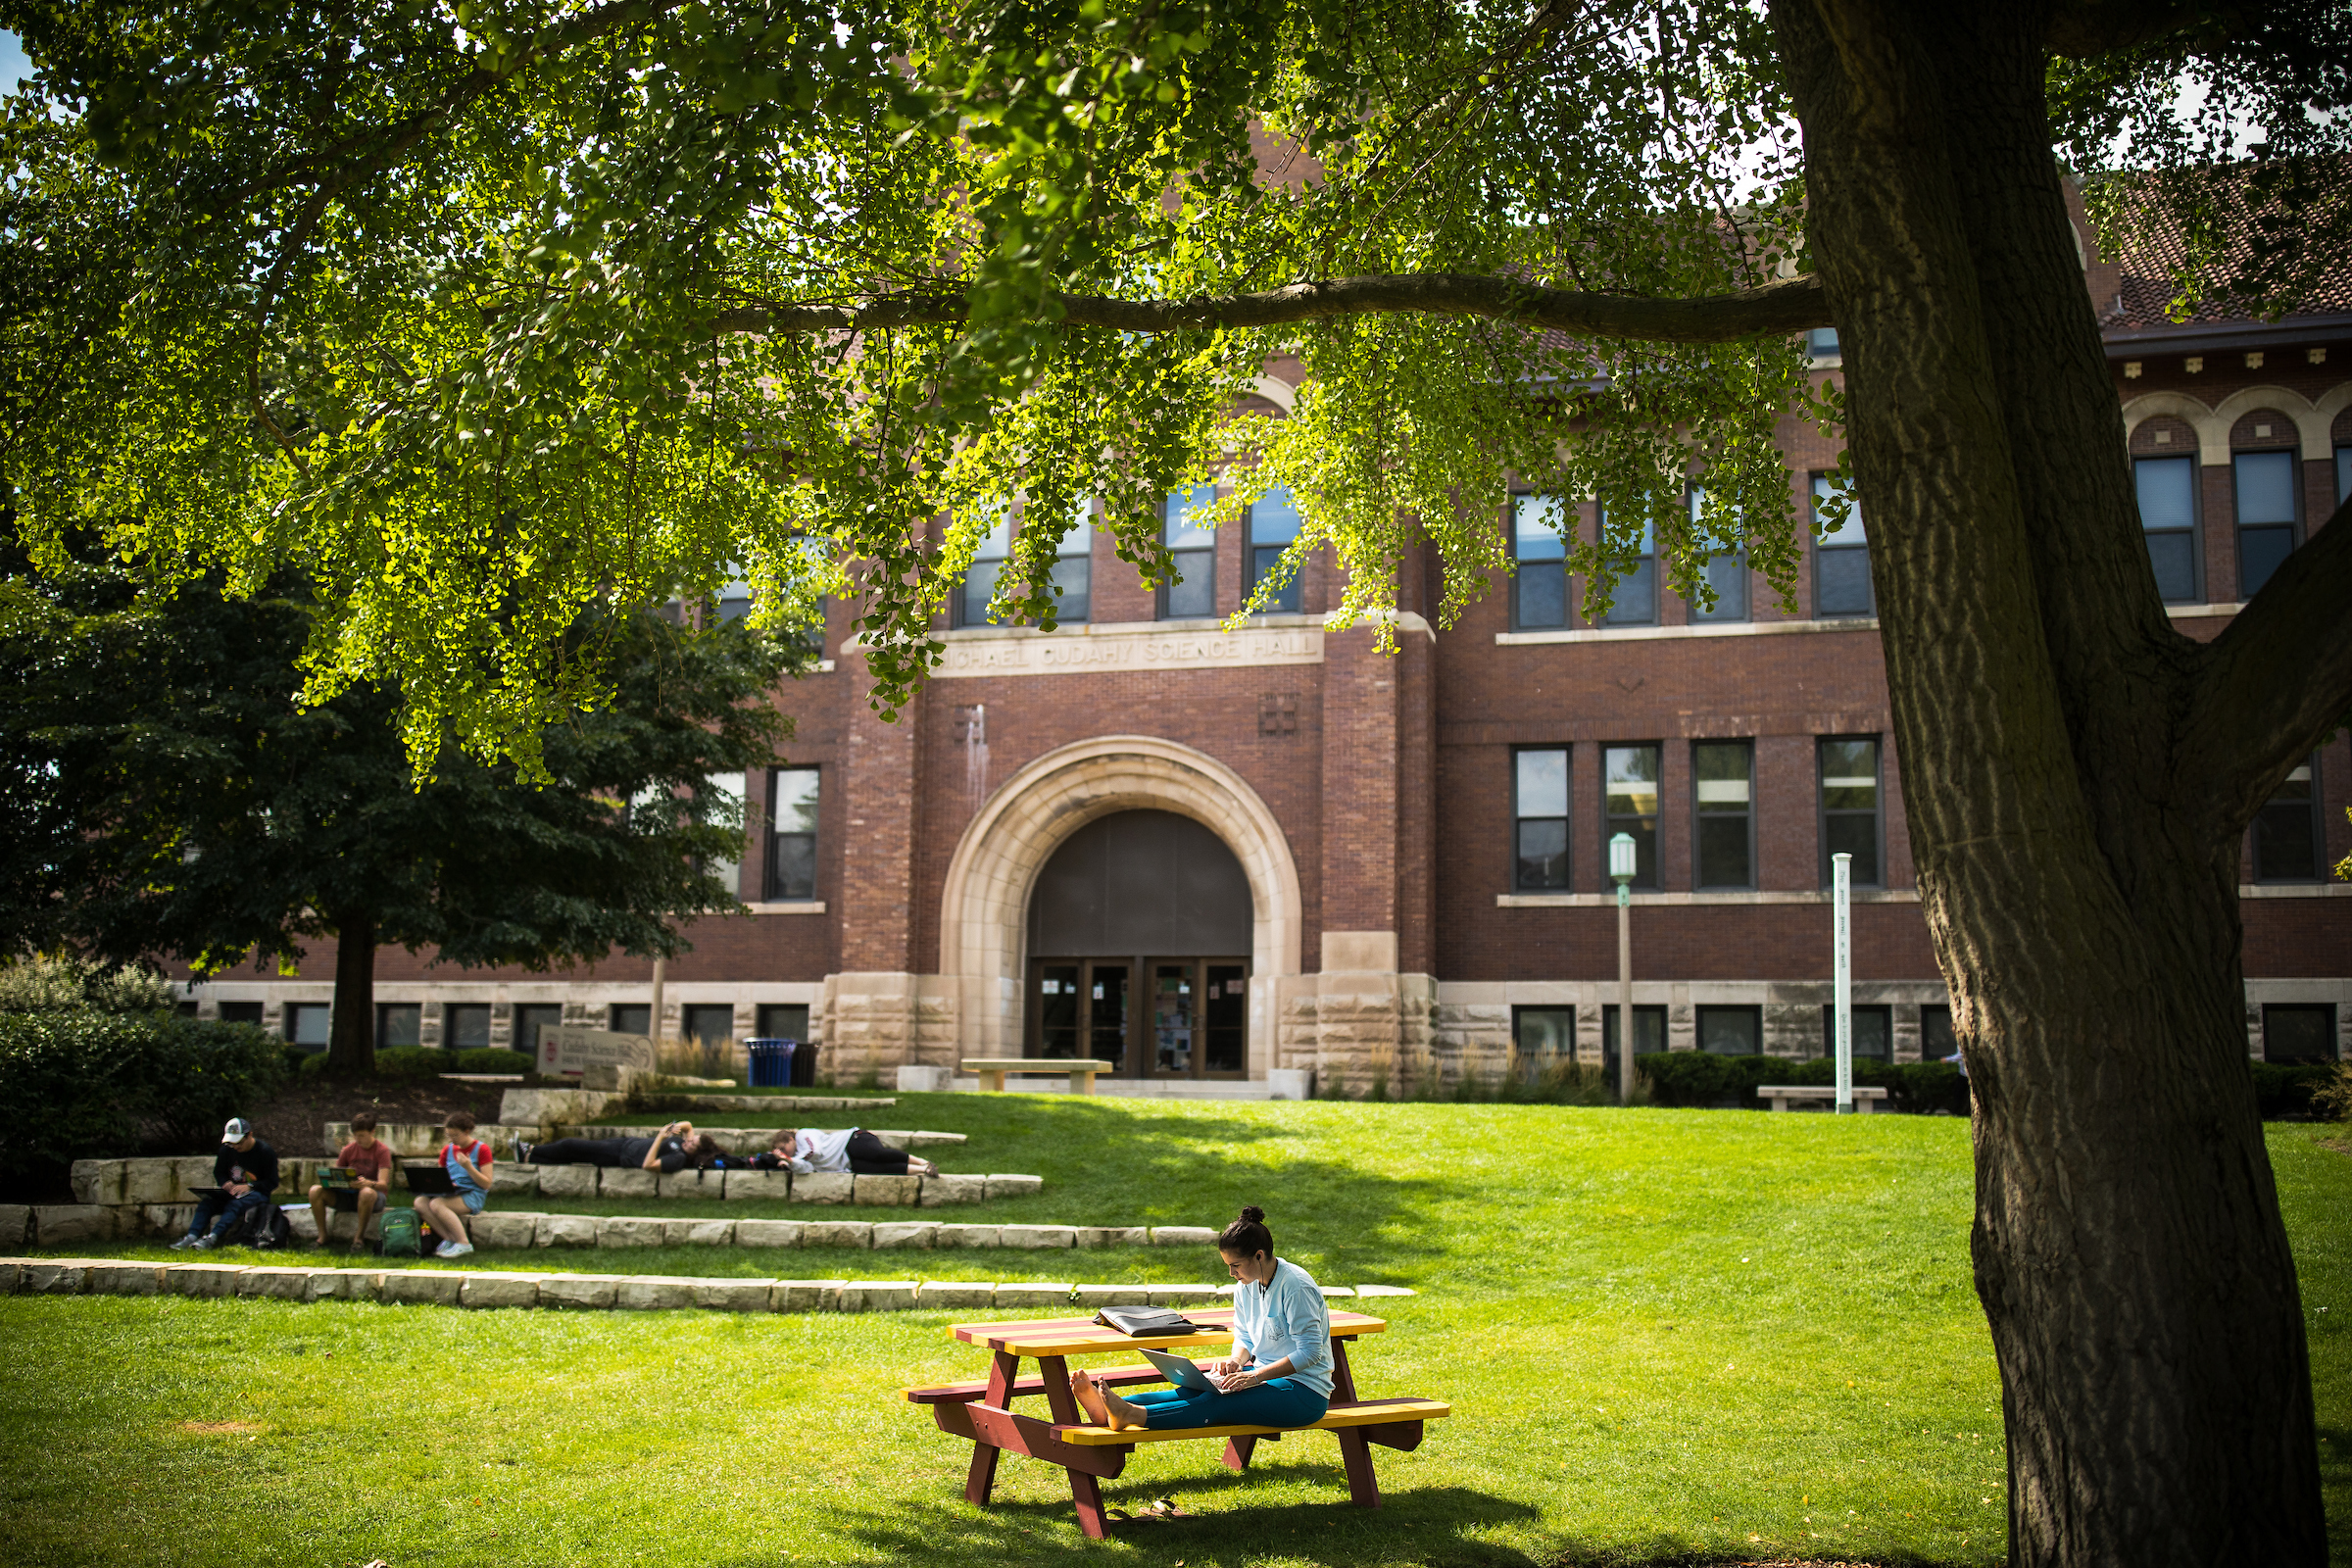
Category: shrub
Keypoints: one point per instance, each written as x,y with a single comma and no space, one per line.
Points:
85,1085
73,984
2284,1090
1703,1078
2333,1098
488,1059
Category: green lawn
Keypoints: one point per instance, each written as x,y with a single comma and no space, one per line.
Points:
1667,1334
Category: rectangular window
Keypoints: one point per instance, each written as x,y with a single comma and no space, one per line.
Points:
784,1020
1540,577
1630,805
2343,474
734,601
1727,576
241,1013
1874,1033
1193,595
1936,1041
727,788
307,1024
1649,1033
398,1023
1849,806
1731,1031
1543,1042
1820,343
2266,516
792,833
2299,1033
708,1023
1842,555
530,1020
980,578
465,1026
1723,805
630,1018
2167,519
2286,831
1273,524
1539,812
1074,569
1636,602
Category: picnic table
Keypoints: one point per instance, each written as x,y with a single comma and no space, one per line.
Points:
982,1411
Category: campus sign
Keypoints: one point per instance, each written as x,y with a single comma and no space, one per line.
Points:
566,1050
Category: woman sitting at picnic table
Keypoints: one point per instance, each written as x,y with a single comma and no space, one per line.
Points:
810,1150
1280,1372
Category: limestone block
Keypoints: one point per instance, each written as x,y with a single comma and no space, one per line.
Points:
1033,1295
836,1233
544,1108
1385,1289
517,1180
12,1275
487,1290
903,1236
807,1296
698,1232
615,1232
496,1230
773,1185
333,1285
151,1181
1035,1237
620,1182
965,1236
711,1184
168,1219
769,1231
954,1296
202,1279
566,1181
61,1224
879,1296
97,1181
939,1190
825,1187
1014,1186
1183,1236
1182,1296
919,1138
1092,1299
420,1287
190,1171
578,1291
275,1284
886,1192
54,1279
565,1230
1114,1236
735,1295
653,1293
15,1225
124,1278
1335,1293
305,1224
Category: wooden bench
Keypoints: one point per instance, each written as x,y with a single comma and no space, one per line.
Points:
992,1071
1866,1098
980,1410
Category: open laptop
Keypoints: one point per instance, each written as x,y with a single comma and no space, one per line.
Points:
1179,1370
336,1178
426,1177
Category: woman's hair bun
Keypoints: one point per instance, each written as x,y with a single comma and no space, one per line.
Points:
1253,1215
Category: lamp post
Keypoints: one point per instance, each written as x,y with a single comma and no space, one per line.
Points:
1622,860
1842,904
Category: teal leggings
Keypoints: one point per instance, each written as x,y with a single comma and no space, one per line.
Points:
1283,1402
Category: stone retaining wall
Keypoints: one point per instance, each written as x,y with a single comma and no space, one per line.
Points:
418,1140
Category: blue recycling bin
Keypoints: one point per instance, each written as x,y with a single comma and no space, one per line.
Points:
771,1062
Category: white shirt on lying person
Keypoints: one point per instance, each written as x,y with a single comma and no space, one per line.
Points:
813,1149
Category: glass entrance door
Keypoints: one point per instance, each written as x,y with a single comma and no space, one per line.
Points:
1199,1017
1078,1008
1192,1019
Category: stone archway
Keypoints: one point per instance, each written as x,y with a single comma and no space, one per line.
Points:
985,904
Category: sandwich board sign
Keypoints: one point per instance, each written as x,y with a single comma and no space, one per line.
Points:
566,1050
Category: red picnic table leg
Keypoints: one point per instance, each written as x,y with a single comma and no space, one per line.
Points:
981,1478
1238,1452
1085,1491
1355,1452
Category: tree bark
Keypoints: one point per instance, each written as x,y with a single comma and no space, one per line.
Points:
351,1043
2077,871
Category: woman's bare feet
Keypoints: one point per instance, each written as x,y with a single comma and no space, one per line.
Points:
1105,1408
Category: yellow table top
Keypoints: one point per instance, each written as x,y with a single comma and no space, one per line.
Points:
1079,1336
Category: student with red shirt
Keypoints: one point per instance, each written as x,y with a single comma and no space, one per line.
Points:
368,1157
466,1158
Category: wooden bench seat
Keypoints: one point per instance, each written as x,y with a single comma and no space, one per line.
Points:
1080,1071
1362,1413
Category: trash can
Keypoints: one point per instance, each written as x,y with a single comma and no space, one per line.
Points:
770,1062
804,1065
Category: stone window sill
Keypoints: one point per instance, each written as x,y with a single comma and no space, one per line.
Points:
1595,900
1709,628
789,906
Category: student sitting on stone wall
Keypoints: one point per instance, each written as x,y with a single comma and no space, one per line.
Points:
369,1159
244,1175
670,1151
466,1158
809,1150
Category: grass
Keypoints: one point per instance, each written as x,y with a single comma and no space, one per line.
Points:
1669,1336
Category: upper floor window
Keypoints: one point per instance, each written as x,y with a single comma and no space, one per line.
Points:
2343,474
980,578
2167,518
2286,831
2266,516
1636,602
728,790
1273,524
1820,343
792,796
1194,592
1540,819
1726,574
1723,798
1849,806
1539,580
1630,805
1074,567
1842,555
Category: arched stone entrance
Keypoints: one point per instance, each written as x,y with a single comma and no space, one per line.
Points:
984,915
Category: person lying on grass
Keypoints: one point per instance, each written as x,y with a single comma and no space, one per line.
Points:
1279,1374
669,1151
369,1159
466,1158
809,1150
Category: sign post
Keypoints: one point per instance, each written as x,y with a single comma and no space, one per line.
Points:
1841,903
1623,863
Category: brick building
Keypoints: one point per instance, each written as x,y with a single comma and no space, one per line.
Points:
1211,855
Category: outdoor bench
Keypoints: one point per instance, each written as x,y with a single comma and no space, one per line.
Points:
1866,1098
992,1071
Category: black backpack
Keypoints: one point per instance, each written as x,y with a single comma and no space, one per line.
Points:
266,1229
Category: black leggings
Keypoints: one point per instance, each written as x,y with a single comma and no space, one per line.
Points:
871,1156
579,1152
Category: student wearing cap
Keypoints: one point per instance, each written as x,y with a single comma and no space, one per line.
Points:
245,1171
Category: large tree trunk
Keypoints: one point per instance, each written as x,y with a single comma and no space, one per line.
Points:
351,1046
2076,799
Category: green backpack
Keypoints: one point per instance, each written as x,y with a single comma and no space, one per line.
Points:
401,1233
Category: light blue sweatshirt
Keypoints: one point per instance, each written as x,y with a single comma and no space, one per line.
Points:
1285,1317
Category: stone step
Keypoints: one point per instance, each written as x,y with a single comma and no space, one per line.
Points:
483,1289
545,1107
419,1140
493,1230
752,1140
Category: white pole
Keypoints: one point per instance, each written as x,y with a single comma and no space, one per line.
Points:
1625,998
1841,898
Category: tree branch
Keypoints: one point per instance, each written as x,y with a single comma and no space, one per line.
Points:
2084,30
2276,679
1776,309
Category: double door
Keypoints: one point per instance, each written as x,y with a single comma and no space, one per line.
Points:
1152,1018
